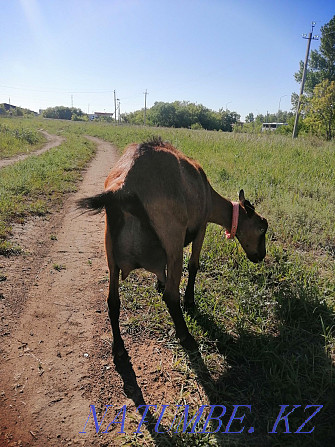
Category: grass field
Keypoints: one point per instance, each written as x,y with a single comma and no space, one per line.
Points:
266,332
16,138
35,185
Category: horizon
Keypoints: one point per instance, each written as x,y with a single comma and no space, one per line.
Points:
40,111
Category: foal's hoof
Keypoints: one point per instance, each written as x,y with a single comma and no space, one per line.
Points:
188,343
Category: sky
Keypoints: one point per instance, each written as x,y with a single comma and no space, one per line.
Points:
238,55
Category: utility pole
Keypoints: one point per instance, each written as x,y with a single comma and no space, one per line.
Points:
309,38
119,112
145,105
72,101
114,105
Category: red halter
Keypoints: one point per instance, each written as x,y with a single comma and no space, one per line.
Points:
234,223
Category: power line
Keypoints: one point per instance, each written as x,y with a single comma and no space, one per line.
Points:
54,90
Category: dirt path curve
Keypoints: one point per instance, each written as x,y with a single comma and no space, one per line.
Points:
52,141
48,317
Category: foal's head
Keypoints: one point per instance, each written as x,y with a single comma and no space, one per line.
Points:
251,230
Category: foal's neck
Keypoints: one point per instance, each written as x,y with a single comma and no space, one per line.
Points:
221,210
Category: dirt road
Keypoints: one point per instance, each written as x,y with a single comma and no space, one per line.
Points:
52,141
55,334
48,321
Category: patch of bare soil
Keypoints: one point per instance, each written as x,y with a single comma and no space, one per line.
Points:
55,334
52,141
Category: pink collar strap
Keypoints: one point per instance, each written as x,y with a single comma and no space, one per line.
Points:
234,222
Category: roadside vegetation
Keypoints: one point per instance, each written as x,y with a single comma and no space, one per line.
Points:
265,332
17,139
36,185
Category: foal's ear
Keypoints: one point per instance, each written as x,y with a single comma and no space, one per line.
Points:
241,197
250,209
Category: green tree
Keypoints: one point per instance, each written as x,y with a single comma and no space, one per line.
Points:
260,119
250,118
62,113
163,114
321,112
18,111
321,63
228,118
184,114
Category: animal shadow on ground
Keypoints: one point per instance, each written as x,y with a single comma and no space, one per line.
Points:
133,391
290,367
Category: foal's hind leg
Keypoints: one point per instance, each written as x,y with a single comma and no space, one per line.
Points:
113,302
161,281
193,267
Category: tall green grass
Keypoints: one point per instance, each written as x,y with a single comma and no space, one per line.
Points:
266,332
17,138
35,185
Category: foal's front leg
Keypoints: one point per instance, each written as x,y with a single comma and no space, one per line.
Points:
171,297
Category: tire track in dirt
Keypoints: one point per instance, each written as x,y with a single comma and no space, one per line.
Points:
48,341
52,141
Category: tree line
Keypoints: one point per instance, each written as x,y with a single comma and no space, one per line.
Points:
179,114
64,113
184,114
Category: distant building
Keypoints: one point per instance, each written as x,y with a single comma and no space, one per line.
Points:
272,126
100,115
10,108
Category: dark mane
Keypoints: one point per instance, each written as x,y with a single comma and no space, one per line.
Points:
152,142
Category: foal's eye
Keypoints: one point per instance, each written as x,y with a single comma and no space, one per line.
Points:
262,230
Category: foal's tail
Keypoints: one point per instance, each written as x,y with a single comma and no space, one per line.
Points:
96,203
115,203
